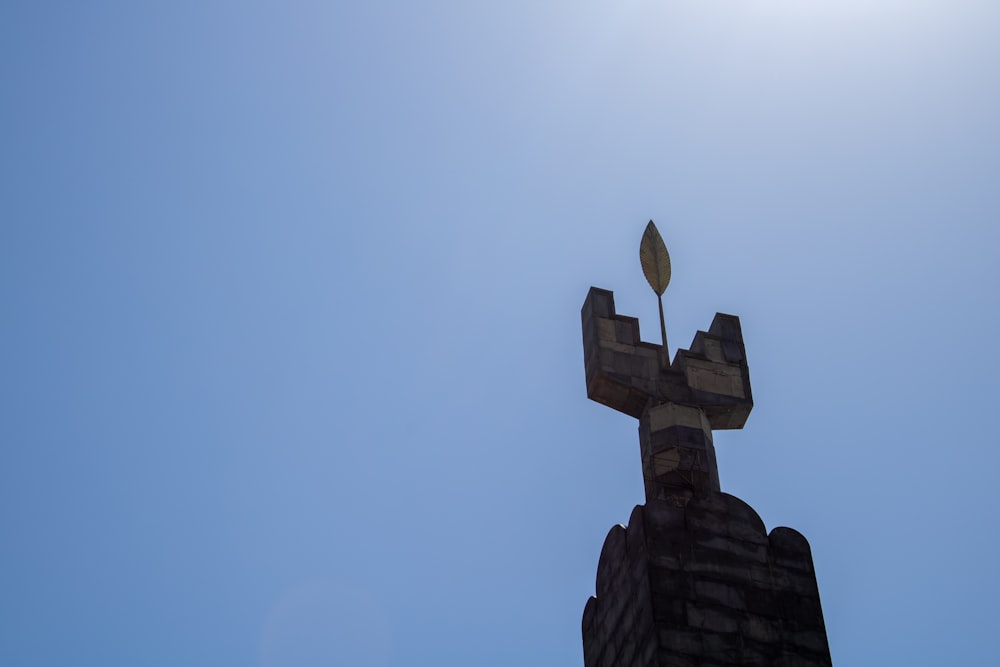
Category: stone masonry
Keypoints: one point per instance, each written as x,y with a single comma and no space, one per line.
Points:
695,579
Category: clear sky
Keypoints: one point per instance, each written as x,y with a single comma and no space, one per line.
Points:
290,352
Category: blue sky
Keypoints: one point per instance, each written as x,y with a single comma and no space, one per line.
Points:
291,368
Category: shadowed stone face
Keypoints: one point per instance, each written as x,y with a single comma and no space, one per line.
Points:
704,584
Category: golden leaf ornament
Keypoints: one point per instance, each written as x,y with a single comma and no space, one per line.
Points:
654,259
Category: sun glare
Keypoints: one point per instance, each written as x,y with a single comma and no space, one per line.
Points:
823,10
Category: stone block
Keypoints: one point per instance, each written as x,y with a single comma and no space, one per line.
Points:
760,628
600,302
812,640
724,594
711,377
718,547
672,414
713,619
669,609
677,584
681,641
713,349
764,602
729,570
723,648
627,331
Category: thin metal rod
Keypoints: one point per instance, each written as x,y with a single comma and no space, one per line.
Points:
663,332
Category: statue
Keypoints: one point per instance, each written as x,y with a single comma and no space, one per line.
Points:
695,578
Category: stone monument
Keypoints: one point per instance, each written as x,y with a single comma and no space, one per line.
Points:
695,579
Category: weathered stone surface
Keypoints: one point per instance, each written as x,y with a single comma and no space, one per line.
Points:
703,585
695,579
677,404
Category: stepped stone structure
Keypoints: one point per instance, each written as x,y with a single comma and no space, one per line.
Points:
695,579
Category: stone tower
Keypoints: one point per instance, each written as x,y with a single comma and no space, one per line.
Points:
695,579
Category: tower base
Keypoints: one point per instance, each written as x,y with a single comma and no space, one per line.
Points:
704,585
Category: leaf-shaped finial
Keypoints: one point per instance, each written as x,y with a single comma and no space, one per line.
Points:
654,259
